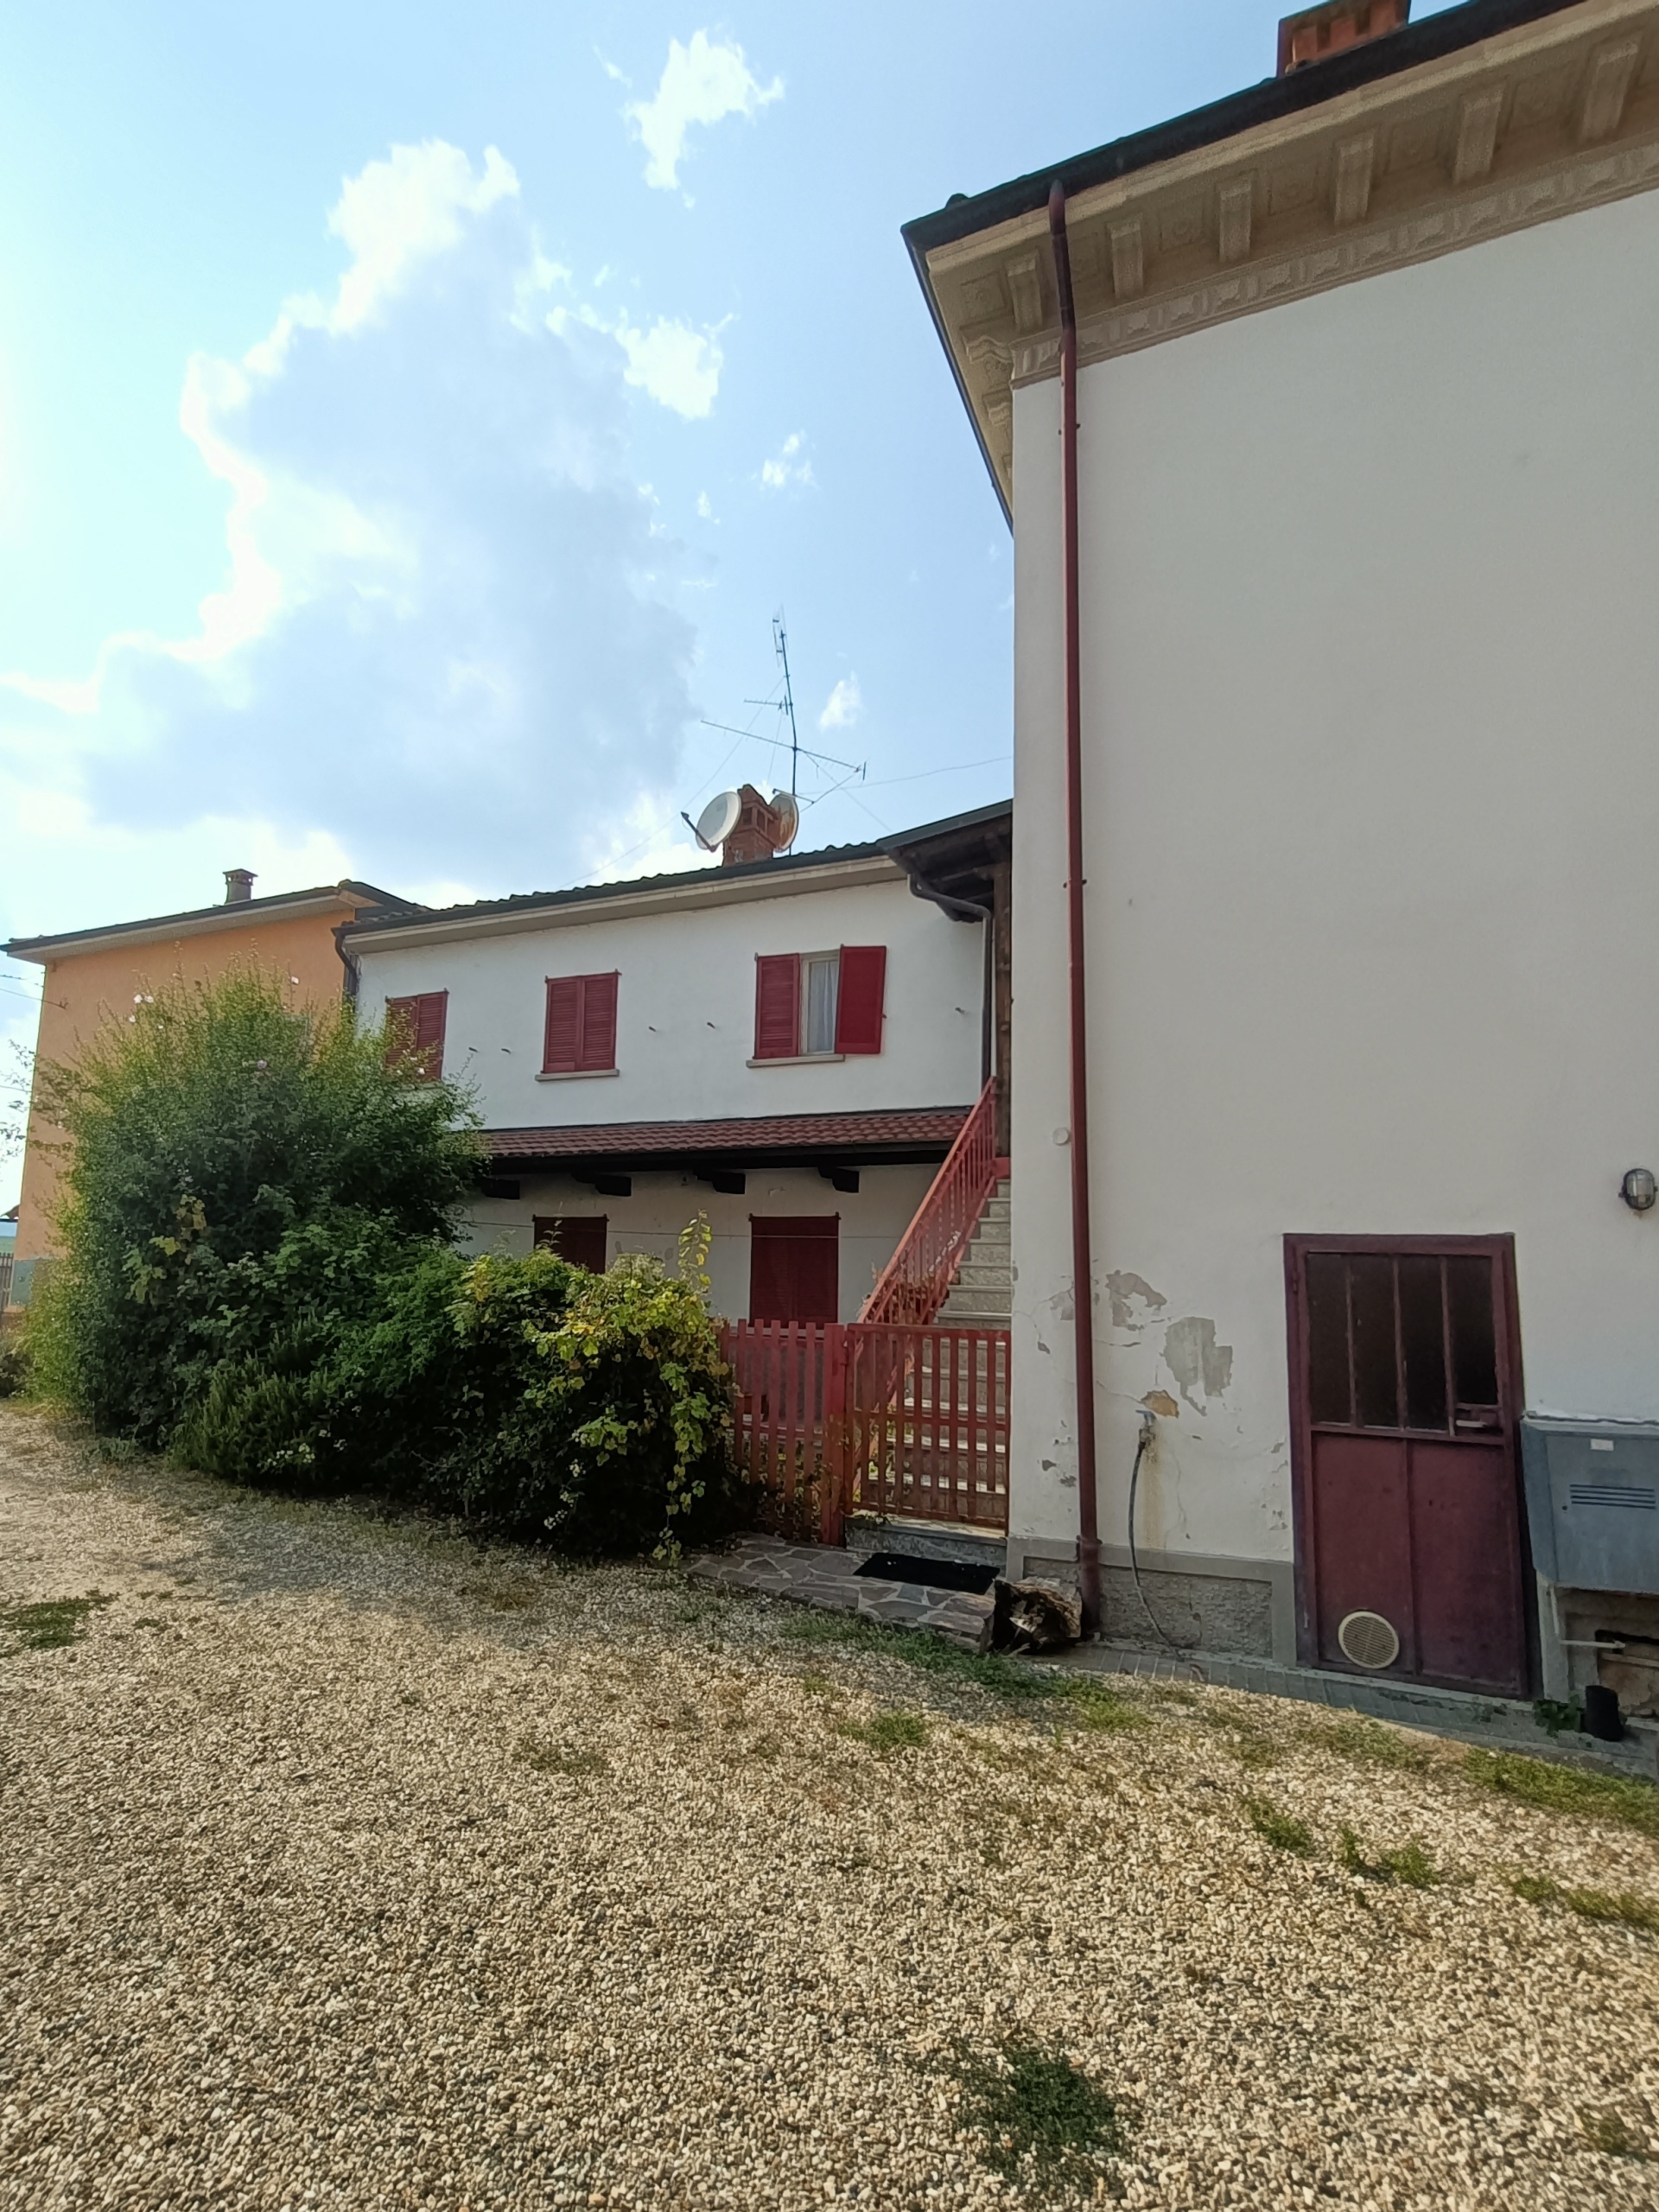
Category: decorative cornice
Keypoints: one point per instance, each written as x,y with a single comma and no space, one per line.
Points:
1532,124
1586,182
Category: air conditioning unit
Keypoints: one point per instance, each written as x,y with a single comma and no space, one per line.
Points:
1592,1502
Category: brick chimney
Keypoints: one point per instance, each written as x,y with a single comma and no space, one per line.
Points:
1332,29
239,885
760,832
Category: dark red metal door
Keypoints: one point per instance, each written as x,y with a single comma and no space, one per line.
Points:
1405,1391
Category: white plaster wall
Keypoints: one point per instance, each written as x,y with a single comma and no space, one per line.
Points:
1371,695
685,1010
871,1220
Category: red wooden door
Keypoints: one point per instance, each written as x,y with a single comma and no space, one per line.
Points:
1405,1392
794,1267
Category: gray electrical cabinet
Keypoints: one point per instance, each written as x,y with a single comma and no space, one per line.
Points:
1592,1502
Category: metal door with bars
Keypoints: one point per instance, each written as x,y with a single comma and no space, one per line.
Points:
1405,1393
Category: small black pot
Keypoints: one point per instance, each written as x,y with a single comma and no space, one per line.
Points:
1601,1715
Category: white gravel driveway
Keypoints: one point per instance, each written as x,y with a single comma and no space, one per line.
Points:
343,1866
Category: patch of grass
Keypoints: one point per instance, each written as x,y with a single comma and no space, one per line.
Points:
50,1623
1609,2131
1040,2120
1094,1705
1616,1797
1410,1864
1615,1908
887,1732
542,1757
812,1625
1373,1743
1283,1830
816,1685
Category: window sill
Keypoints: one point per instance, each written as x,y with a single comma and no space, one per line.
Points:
801,1061
575,1075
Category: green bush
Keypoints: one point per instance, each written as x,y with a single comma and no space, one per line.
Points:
242,1175
259,1276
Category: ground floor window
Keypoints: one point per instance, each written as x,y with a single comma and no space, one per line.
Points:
794,1267
578,1237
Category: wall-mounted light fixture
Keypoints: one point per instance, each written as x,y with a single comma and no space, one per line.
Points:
1639,1189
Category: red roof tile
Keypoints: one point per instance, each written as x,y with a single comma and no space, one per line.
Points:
904,1125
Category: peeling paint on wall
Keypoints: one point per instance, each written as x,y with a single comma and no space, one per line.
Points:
1126,1291
1196,1360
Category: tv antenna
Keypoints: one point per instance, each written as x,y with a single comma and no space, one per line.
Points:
781,647
786,707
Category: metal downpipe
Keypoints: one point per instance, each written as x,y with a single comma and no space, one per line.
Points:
1083,1274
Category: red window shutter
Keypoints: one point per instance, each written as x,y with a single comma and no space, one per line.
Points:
597,1049
859,1008
431,1012
415,1034
563,1024
777,1006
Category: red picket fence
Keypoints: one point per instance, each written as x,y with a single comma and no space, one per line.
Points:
917,1279
906,1422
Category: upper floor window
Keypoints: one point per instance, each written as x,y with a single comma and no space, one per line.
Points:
819,1005
415,1034
581,1034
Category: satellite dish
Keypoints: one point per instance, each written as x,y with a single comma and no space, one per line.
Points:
717,821
789,819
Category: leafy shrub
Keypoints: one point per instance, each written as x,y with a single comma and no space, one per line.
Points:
258,1275
241,1176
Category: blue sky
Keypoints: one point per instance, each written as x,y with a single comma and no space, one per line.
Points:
412,416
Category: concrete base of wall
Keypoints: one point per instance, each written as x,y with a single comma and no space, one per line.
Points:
1196,1601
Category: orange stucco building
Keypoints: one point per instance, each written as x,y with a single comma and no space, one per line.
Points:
93,976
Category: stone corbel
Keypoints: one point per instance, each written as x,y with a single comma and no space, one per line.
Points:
1128,258
1476,139
1025,277
1350,183
1237,201
1606,88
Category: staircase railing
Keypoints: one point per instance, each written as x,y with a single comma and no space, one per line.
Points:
917,1280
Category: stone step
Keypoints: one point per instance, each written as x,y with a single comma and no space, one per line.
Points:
976,1308
982,1275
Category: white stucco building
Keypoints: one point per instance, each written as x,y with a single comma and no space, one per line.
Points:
788,1045
1368,499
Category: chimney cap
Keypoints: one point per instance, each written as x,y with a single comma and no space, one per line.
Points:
1314,32
239,885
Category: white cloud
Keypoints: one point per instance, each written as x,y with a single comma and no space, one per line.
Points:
844,705
395,214
673,364
705,508
445,627
786,466
700,83
678,366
